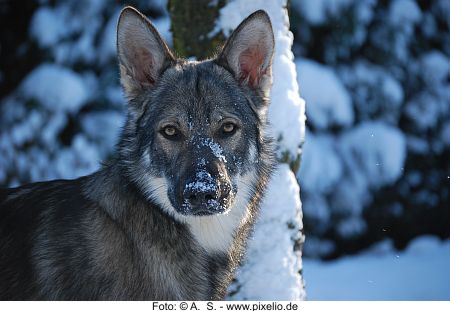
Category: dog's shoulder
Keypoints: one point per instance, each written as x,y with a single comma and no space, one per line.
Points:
31,216
23,208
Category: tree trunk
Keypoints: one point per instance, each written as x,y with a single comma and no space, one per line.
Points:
193,27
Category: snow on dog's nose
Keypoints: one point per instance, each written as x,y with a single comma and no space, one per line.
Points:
205,195
201,192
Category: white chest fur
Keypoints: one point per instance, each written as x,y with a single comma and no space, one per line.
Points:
216,233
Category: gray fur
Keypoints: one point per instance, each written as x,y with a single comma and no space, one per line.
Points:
169,216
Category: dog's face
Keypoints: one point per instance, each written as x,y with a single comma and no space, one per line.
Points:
200,133
195,130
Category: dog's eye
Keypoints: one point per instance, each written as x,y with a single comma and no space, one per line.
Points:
170,132
228,128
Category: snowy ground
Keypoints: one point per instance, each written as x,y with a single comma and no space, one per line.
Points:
421,272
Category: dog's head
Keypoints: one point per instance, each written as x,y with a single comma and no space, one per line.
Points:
195,139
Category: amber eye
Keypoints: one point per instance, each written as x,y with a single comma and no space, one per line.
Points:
170,132
228,127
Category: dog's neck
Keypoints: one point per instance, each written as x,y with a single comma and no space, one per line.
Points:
216,233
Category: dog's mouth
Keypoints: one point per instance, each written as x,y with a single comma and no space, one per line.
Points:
206,208
202,213
210,207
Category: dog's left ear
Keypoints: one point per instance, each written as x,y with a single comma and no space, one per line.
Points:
142,53
249,52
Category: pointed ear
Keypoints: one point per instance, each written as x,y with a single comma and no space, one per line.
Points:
142,54
249,52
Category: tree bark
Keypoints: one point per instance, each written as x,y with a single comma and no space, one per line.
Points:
193,25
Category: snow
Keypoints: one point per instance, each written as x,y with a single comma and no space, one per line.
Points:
443,8
274,274
445,134
215,148
402,17
376,92
329,103
340,172
203,183
52,128
423,110
376,76
316,248
271,268
429,106
81,159
83,49
65,34
373,155
436,67
108,42
404,11
393,89
421,272
200,186
317,11
47,26
160,5
56,88
317,210
24,131
103,127
375,150
351,226
320,159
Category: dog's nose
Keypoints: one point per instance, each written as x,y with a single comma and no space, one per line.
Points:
199,194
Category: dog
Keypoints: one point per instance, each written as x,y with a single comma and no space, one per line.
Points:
168,217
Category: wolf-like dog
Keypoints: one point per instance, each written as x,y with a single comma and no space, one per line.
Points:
168,217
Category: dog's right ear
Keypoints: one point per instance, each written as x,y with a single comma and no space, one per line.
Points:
142,53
